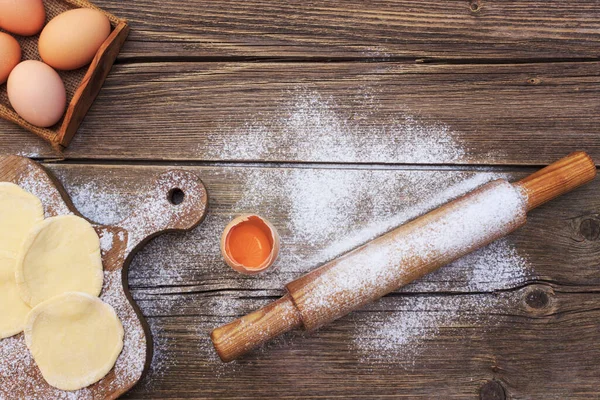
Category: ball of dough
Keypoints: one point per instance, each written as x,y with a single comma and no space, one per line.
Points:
75,339
60,254
19,212
13,310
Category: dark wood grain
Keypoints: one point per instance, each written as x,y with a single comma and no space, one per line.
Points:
477,29
345,112
538,339
533,354
515,82
553,236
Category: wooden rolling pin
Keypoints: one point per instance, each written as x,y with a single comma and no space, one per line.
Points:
403,255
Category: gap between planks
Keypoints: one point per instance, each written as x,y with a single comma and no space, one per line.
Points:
515,168
123,60
555,286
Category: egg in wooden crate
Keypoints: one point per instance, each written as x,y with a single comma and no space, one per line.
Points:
42,108
79,40
10,55
72,39
22,17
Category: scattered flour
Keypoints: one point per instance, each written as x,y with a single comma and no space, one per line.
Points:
103,204
321,213
313,127
36,182
100,202
37,150
160,363
388,263
400,336
18,375
130,364
106,241
325,213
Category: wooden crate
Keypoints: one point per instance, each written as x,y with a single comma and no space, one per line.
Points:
82,85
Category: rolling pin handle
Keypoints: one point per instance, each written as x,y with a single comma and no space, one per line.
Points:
558,178
242,335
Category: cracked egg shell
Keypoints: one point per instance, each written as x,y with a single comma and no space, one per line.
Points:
250,244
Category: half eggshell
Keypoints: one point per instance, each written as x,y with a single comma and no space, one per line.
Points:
268,229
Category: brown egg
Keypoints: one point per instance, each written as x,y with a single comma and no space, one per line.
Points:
250,244
10,55
22,17
37,93
72,39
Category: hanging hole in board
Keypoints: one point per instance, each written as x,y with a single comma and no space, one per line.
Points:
176,196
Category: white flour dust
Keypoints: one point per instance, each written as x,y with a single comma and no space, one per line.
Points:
102,204
313,127
332,212
384,265
160,362
403,335
324,213
321,213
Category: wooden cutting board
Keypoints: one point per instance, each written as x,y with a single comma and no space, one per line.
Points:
177,202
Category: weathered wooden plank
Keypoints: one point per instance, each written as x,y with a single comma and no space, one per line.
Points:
353,28
426,347
522,315
322,213
342,112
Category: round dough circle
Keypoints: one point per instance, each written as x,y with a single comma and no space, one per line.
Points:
19,212
60,254
75,339
13,310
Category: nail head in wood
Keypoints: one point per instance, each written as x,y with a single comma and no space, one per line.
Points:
475,6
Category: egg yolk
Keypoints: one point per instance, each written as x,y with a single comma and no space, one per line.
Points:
249,244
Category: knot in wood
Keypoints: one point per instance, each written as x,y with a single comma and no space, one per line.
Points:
492,390
537,299
534,81
590,229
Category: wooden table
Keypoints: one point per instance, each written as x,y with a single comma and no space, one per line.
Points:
397,100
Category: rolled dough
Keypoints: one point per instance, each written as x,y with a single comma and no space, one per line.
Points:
19,212
13,310
60,254
75,339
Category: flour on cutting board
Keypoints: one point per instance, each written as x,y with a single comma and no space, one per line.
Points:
17,374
